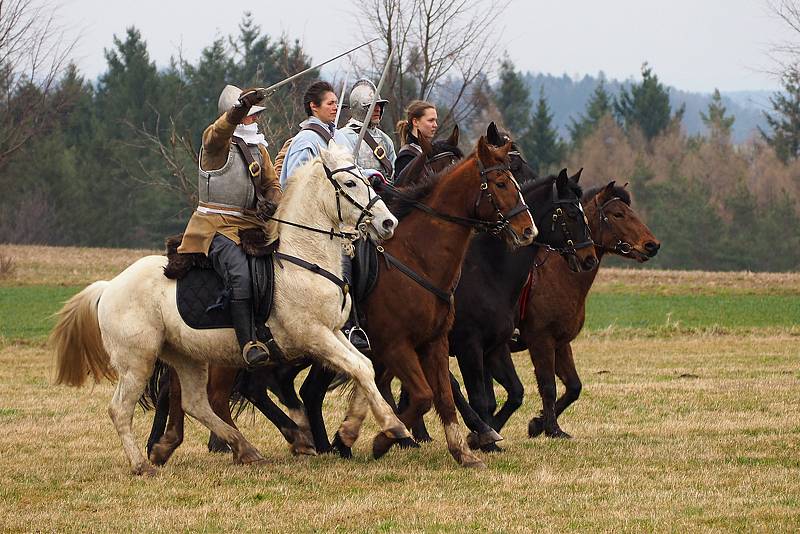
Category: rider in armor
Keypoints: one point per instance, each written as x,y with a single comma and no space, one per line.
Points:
237,184
376,153
421,120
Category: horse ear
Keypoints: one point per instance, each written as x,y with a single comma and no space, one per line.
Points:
483,150
426,146
608,191
493,136
453,139
577,176
562,179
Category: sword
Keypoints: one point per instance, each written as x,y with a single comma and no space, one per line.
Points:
341,99
368,116
269,91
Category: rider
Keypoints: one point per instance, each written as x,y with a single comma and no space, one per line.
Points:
229,202
320,102
421,120
376,153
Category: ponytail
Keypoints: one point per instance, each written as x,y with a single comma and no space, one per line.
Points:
402,130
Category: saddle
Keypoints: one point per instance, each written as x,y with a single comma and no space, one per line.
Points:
365,269
201,295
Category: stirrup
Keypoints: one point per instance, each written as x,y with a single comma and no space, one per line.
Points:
358,330
254,345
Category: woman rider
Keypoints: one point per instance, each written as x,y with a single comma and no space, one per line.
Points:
421,120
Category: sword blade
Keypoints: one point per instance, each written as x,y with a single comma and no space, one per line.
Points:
274,87
368,116
341,99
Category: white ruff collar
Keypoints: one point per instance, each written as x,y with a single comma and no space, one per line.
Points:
250,134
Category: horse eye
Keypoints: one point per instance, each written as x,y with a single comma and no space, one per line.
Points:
501,185
350,183
619,216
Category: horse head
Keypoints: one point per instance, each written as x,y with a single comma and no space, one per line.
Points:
354,203
435,157
615,226
556,205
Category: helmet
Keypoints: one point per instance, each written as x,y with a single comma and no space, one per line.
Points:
229,97
361,97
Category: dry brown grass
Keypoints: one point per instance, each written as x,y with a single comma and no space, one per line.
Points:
686,433
8,266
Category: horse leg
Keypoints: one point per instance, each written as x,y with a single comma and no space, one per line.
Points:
472,420
470,361
437,373
255,391
130,386
313,392
418,429
283,386
194,379
173,437
503,370
403,362
566,372
220,387
543,357
161,412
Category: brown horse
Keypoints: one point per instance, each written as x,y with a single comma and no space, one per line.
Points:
555,310
480,192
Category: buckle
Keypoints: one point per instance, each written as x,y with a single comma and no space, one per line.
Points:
379,152
254,168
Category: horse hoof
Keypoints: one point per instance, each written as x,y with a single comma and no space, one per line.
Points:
217,445
397,432
491,447
145,469
471,461
339,446
408,443
160,454
558,434
381,445
249,457
472,441
535,427
302,446
424,438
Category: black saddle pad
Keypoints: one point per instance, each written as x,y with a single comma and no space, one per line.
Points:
203,298
365,269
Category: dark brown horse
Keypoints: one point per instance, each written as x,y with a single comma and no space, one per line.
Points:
478,193
556,305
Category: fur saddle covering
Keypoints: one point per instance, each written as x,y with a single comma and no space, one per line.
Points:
254,244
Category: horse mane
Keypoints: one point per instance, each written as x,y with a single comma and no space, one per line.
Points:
529,186
619,191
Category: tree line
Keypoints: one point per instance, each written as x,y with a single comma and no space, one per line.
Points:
113,162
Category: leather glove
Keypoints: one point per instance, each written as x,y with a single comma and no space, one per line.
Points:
265,209
251,97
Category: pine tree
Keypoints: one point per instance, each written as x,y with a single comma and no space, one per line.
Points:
513,101
719,125
599,105
646,106
542,144
784,124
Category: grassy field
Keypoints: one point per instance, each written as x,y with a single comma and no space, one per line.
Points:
689,420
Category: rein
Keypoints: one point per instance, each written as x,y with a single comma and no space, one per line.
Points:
620,247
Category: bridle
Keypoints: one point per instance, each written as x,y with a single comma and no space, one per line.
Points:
447,154
559,218
620,247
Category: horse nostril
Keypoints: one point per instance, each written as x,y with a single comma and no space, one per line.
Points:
590,263
651,247
388,224
527,233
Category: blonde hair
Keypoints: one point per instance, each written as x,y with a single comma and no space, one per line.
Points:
415,110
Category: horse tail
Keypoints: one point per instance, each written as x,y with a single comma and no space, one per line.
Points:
156,385
341,380
78,342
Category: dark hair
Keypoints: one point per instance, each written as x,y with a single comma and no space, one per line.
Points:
314,94
415,110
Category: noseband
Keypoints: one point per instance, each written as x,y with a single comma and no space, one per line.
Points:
620,247
560,218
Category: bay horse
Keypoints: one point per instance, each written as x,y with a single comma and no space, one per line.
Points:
252,384
407,322
117,329
555,309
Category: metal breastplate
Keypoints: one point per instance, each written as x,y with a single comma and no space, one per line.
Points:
229,187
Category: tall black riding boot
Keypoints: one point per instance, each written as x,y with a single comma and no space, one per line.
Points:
353,331
253,351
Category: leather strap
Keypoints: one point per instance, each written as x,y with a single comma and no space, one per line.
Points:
391,261
253,167
378,151
316,269
323,132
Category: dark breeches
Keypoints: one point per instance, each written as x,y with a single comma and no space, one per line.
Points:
230,262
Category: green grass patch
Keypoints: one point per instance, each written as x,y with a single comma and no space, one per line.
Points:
649,312
26,312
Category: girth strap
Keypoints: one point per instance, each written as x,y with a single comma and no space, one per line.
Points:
418,278
316,269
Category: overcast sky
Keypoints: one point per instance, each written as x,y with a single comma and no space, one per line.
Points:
694,45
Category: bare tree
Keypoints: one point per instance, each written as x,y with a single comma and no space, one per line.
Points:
34,51
445,51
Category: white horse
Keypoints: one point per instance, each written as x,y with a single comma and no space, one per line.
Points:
117,329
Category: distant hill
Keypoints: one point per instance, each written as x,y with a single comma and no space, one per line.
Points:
568,97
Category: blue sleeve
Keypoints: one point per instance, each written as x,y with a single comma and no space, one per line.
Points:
299,152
